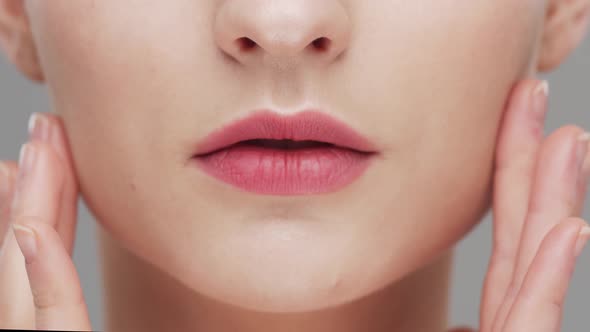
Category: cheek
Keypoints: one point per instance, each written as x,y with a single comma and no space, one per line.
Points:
104,68
442,94
121,82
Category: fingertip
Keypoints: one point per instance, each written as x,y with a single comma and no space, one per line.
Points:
527,85
11,165
567,131
51,156
522,126
541,87
43,250
4,171
574,224
8,173
563,134
5,179
59,140
564,232
522,92
583,236
26,240
39,190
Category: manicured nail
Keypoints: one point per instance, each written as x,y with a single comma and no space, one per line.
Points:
26,159
540,93
582,149
26,239
26,162
583,237
39,127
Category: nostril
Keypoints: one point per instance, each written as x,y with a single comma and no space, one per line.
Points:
245,43
321,43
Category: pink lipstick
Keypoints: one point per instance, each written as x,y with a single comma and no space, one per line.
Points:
268,153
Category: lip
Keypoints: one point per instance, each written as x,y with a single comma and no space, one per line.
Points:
307,170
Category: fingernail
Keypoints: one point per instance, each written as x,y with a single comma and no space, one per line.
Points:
583,237
582,150
26,239
39,127
540,93
26,160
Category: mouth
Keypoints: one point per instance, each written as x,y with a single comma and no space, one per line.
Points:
268,153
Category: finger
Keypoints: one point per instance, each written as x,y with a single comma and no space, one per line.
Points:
8,171
583,185
36,192
539,302
516,154
15,300
39,183
553,199
53,281
55,285
49,128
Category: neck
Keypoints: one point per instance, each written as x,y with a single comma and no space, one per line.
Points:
140,297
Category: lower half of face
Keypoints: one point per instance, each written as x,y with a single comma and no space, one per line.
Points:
426,81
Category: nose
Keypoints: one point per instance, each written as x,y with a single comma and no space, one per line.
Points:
270,30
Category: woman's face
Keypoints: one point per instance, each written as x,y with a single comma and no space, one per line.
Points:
138,82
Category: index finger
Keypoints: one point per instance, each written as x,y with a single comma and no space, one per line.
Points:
68,209
15,300
53,280
516,154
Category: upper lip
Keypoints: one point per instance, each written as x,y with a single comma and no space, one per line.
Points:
306,125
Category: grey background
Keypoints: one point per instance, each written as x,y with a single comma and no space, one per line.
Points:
569,103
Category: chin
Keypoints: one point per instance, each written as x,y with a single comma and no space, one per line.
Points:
286,272
285,288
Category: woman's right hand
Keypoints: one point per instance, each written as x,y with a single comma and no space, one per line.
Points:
43,291
538,195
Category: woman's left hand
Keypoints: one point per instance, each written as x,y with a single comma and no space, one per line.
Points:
538,195
43,291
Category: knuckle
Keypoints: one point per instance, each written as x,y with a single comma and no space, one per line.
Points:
45,298
37,223
571,128
29,221
567,129
543,303
49,298
555,304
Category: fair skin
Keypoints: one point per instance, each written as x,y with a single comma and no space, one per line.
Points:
446,92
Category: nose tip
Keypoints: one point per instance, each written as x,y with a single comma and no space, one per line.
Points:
247,30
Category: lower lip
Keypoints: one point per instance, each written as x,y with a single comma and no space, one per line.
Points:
285,172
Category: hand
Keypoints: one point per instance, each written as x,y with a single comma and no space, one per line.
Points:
538,195
40,203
